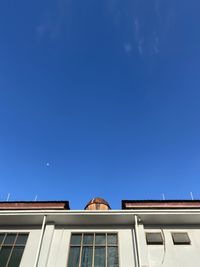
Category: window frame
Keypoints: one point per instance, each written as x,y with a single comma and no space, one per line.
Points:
14,244
93,246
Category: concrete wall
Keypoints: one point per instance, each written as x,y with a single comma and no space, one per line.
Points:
59,251
55,245
170,255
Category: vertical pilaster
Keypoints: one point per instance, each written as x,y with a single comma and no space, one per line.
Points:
143,246
46,245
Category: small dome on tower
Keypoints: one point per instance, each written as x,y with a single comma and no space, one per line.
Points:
97,204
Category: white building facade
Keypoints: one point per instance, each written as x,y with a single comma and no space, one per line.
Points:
141,234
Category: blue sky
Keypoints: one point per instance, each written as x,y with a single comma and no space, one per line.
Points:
99,98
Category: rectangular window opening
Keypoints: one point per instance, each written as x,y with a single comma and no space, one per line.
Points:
154,239
93,250
11,248
181,239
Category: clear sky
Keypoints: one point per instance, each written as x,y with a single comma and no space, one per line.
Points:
99,98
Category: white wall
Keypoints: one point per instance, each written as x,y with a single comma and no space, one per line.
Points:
55,246
59,251
170,255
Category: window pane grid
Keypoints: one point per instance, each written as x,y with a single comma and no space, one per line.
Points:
11,248
12,237
2,239
93,250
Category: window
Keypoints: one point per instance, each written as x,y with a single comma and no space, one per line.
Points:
93,250
181,239
11,248
154,239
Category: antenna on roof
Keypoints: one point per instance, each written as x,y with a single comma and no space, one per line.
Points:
191,194
8,196
163,196
35,198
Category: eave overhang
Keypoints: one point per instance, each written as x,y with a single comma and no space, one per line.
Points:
101,218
